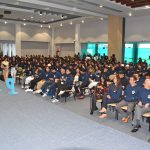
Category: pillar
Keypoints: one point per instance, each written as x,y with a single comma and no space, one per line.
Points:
18,40
115,36
77,39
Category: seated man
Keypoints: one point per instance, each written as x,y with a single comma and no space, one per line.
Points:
67,84
143,106
84,79
130,99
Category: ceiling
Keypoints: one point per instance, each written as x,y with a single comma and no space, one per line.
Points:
133,3
49,12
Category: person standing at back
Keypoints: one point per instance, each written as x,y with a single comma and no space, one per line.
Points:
5,67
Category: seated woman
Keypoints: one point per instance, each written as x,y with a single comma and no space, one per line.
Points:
113,96
130,99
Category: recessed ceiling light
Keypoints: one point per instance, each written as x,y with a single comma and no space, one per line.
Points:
49,26
43,20
31,17
5,22
130,14
24,19
100,6
41,26
71,23
24,24
61,24
101,18
40,13
147,6
82,21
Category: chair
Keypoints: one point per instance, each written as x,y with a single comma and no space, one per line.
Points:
147,115
19,74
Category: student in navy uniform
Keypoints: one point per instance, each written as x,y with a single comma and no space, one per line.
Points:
68,83
113,96
46,82
143,106
37,77
131,97
58,80
84,79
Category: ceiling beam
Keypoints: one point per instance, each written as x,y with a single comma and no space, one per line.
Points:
62,7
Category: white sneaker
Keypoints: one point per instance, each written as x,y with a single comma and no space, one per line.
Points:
44,95
55,100
26,87
28,90
61,92
38,91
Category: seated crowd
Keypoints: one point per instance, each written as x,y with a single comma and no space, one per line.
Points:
113,82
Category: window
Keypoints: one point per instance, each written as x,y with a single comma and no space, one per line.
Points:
129,53
144,52
91,48
103,49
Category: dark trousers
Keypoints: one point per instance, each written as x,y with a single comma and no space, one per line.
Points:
106,101
33,83
46,86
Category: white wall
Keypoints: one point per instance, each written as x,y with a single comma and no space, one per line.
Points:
34,48
94,31
66,49
65,34
138,28
34,33
7,32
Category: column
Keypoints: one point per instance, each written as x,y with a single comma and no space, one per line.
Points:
53,51
18,39
115,36
77,39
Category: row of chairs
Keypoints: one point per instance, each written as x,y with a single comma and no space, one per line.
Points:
112,107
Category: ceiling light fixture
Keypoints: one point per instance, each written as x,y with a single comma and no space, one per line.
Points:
82,21
61,24
71,23
24,24
130,14
147,6
101,6
49,26
41,26
31,17
6,22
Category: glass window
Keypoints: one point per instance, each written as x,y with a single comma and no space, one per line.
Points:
103,49
91,48
129,53
144,52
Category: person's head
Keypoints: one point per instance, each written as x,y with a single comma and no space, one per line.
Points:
147,83
47,69
117,80
132,80
77,70
62,70
68,71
